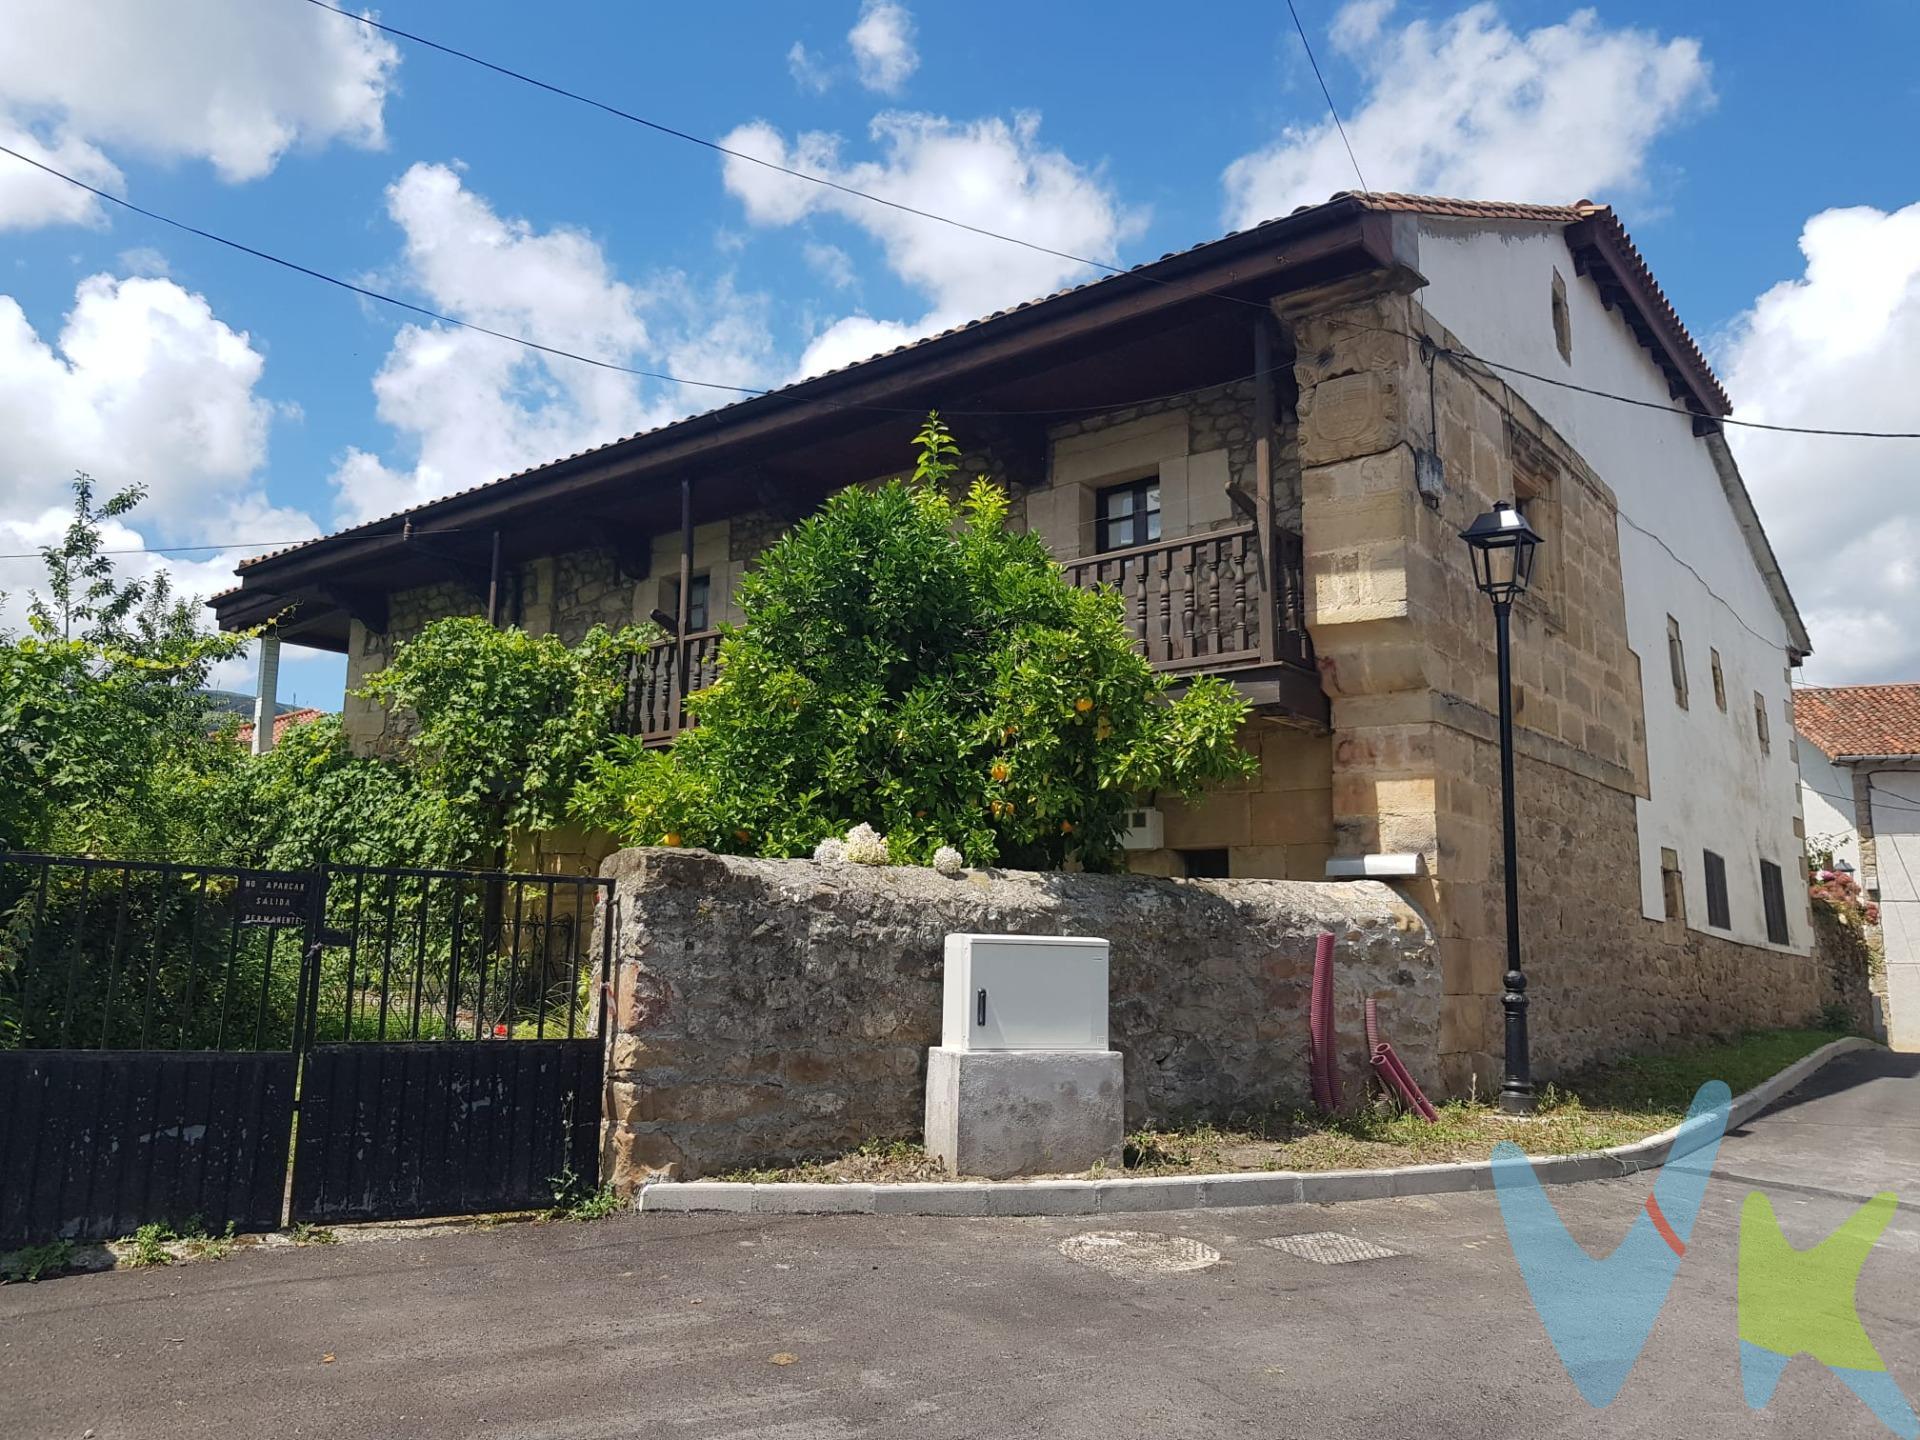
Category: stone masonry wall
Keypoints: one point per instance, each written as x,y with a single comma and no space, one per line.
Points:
1405,645
768,1010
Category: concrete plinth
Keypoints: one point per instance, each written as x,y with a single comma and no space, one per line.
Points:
1002,1113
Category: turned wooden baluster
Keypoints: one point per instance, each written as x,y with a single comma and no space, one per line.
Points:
1214,647
1240,632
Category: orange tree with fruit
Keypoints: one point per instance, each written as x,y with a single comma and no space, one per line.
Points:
910,662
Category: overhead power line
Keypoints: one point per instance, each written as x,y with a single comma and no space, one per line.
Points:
661,128
558,352
1332,109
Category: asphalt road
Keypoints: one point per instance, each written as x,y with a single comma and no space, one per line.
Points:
664,1326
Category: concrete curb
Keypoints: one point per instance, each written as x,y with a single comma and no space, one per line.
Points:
1198,1192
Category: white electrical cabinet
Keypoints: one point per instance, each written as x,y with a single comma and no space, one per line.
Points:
1025,992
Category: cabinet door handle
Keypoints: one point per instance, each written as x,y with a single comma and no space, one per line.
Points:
981,1010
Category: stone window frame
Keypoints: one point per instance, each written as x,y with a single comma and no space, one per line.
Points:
1760,727
1677,662
1719,681
1673,885
1537,478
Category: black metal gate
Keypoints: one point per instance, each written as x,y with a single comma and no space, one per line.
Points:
161,1025
455,1065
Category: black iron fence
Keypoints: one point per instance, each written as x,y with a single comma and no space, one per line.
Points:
161,1024
146,955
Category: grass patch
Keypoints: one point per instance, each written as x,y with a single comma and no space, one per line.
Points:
305,1233
35,1262
159,1243
877,1160
1595,1108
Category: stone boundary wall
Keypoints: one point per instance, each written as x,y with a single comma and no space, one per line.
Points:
770,1010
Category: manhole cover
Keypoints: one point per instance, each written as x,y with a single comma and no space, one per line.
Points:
1329,1247
1138,1252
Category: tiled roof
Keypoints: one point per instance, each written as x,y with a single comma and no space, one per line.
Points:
1688,354
243,732
1860,719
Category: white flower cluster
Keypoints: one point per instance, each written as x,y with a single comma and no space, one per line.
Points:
866,846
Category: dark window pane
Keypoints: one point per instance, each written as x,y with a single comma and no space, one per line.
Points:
1719,915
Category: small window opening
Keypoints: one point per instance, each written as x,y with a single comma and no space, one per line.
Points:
1719,915
1773,896
1760,723
1562,320
1677,662
699,595
1129,515
1719,683
1204,864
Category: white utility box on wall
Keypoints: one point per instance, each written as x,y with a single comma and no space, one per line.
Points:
1023,1082
1025,992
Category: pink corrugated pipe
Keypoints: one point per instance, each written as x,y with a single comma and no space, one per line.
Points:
1392,1069
1323,1069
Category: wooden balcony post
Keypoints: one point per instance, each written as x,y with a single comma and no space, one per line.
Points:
1266,598
678,685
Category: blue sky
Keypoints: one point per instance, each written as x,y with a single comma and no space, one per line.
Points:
259,405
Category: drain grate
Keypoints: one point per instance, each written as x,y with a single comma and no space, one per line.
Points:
1136,1253
1329,1247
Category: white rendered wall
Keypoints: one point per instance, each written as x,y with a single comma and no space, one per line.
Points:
1826,801
1711,787
1896,848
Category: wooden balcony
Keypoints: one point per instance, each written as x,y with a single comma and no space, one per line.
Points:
1198,605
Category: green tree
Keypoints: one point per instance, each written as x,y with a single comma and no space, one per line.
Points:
105,744
911,662
504,723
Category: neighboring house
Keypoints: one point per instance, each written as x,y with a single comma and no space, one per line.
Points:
1860,788
1239,437
283,722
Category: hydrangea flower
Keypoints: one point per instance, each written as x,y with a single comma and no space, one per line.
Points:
948,860
866,846
831,852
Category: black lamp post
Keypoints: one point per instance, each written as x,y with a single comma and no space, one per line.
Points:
1502,544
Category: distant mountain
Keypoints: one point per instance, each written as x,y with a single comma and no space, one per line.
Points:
232,702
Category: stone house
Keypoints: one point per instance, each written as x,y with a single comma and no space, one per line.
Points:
1269,444
1860,787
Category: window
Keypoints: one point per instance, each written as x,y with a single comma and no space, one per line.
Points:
1760,723
698,606
1673,885
1774,896
1719,683
1204,864
1129,515
1718,915
1677,662
1562,321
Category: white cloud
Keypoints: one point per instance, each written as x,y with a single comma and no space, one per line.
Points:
1471,107
1839,348
470,408
236,85
808,70
882,44
30,198
142,384
831,264
991,173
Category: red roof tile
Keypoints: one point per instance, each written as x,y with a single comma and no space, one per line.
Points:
243,732
1860,719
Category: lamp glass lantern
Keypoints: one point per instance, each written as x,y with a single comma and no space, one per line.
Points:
1502,544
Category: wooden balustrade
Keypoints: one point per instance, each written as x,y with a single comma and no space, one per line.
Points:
1200,603
654,707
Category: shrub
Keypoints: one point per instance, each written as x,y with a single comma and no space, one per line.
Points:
914,664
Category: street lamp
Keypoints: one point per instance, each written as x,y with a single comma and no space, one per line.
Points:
1502,545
